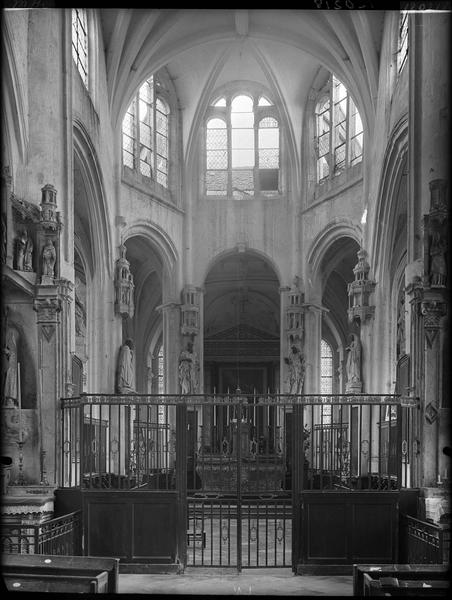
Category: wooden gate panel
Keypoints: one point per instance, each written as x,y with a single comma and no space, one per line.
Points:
136,526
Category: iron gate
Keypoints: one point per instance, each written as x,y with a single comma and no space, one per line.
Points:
239,496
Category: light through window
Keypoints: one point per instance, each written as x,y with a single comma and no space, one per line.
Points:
403,40
326,377
339,131
242,147
80,42
145,133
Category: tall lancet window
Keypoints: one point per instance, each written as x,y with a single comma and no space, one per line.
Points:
80,42
145,133
402,52
242,147
326,377
338,131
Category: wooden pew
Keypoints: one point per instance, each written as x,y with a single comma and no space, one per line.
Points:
394,586
64,565
401,571
56,582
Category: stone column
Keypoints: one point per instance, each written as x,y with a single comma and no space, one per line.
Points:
433,308
284,344
47,304
171,318
313,336
7,233
65,288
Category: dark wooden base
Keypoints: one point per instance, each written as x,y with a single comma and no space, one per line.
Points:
149,569
325,570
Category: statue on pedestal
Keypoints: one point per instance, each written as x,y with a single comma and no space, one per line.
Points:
353,365
10,397
189,370
296,364
125,376
21,245
48,259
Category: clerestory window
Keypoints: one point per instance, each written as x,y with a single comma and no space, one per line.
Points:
80,42
338,131
145,133
242,147
402,52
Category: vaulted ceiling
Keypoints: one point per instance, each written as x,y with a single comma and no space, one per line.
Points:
281,49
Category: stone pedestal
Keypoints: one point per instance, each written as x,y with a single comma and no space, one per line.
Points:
29,505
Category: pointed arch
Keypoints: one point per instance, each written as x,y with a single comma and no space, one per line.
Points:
97,207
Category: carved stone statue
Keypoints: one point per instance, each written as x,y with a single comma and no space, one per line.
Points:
296,364
28,256
10,397
189,370
353,365
48,259
125,376
21,244
80,312
438,268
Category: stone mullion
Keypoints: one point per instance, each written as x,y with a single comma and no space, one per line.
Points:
47,304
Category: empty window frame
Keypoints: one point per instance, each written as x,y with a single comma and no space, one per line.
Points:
242,147
145,134
80,42
338,131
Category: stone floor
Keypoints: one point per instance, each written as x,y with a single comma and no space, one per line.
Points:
216,581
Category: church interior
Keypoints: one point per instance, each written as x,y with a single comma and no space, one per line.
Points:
225,296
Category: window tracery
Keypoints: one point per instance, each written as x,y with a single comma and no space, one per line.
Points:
80,42
338,131
242,147
145,133
403,40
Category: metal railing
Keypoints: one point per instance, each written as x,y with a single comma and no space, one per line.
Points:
129,442
423,542
58,536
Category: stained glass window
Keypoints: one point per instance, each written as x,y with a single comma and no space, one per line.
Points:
80,42
145,133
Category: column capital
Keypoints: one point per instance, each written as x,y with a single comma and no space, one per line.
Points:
47,308
433,310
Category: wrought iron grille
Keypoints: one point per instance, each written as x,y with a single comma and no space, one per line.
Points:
124,442
58,536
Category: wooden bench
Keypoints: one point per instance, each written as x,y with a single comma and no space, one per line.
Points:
394,586
401,571
56,582
63,565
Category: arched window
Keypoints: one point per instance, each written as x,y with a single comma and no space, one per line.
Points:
80,42
242,147
145,146
326,377
402,51
338,131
